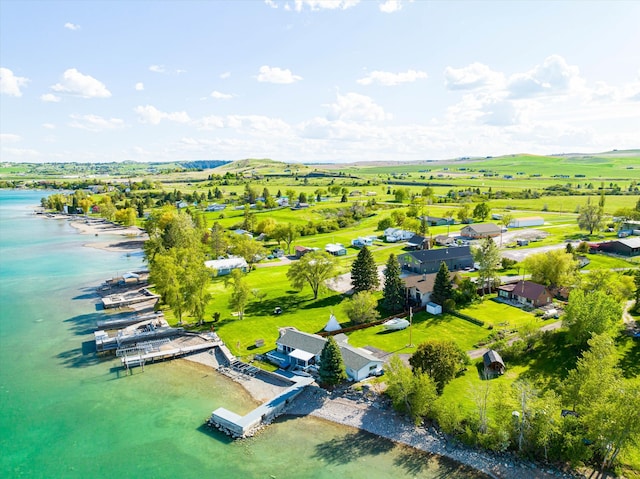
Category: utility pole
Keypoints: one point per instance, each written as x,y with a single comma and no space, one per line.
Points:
410,345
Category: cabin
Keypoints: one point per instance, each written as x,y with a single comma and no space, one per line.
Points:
526,292
418,242
526,222
484,230
493,364
336,249
428,261
301,351
225,266
624,247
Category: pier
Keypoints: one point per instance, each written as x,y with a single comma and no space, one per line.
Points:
128,298
244,426
140,355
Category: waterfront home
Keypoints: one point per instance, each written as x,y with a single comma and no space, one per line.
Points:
225,266
484,230
301,351
428,261
526,292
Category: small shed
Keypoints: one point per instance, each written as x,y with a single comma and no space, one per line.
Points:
433,308
493,363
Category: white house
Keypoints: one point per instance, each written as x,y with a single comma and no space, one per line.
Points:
298,350
335,249
225,266
525,222
393,235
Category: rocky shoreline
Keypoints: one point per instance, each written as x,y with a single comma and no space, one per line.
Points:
368,411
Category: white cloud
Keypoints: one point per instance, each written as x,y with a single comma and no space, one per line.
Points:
150,114
210,122
225,75
50,98
11,84
220,96
355,107
271,3
316,5
21,153
71,26
49,126
10,138
552,77
157,68
95,123
390,6
276,75
85,86
139,86
472,77
392,79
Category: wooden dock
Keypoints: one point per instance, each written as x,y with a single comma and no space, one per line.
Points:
128,320
140,359
128,298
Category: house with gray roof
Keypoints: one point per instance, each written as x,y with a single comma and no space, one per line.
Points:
622,246
483,230
428,261
299,350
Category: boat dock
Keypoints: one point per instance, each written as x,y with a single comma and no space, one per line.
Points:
244,426
128,320
140,355
128,298
149,330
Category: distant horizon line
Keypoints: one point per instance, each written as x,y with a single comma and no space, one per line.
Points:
458,158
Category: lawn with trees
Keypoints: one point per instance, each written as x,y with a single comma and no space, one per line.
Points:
546,372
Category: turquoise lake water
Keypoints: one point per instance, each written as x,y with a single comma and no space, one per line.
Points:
68,414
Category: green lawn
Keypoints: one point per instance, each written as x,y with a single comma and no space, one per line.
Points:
601,261
499,315
425,326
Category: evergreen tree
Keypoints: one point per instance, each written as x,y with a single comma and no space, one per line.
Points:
393,298
364,273
442,287
332,370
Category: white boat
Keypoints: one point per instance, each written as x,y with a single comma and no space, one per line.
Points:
396,324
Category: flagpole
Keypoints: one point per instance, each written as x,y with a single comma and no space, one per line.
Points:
410,325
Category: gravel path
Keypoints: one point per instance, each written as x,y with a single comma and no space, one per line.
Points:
376,418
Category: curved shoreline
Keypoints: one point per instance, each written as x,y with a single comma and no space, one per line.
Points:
373,416
388,424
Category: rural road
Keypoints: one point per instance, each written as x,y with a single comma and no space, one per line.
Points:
521,254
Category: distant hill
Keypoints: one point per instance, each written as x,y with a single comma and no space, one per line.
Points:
203,164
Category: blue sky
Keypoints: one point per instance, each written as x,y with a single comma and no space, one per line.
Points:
316,80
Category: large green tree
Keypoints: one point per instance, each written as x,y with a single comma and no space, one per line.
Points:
442,287
481,211
589,313
240,292
440,359
590,217
413,392
393,294
331,370
552,268
488,258
251,250
361,308
314,269
364,273
287,233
